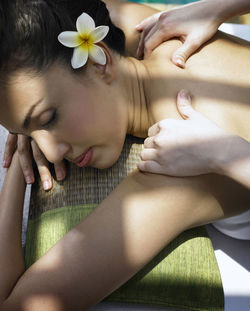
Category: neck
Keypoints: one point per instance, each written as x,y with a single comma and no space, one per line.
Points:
135,79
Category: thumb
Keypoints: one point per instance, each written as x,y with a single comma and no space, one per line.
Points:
185,51
184,105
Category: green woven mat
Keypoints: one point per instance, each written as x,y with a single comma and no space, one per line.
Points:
184,275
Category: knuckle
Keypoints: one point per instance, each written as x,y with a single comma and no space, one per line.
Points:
26,169
144,166
195,42
164,28
164,15
142,155
38,156
161,124
157,141
147,142
22,149
8,144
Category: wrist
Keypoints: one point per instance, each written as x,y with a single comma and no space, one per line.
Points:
234,151
226,9
218,10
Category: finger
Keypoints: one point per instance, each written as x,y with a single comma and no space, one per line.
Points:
43,166
146,21
140,50
150,166
185,51
149,142
60,170
155,37
25,158
184,105
10,148
153,130
149,154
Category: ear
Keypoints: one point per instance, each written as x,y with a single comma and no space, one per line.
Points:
106,72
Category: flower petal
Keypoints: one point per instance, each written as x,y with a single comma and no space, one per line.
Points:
85,24
99,33
97,55
70,39
80,57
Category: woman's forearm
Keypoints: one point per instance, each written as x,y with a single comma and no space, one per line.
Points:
11,211
142,215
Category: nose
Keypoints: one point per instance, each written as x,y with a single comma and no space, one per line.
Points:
53,149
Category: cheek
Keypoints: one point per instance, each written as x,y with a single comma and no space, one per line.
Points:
74,125
78,121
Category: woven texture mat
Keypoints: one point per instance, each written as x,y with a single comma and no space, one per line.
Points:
86,185
184,275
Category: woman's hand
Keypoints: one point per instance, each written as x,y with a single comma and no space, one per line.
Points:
25,150
187,147
193,24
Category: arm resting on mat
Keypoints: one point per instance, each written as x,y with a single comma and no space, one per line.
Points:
142,215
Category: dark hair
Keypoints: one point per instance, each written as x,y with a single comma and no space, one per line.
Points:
29,31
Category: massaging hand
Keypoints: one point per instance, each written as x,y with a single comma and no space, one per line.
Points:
25,150
188,147
193,24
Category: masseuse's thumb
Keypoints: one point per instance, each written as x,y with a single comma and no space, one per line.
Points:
185,51
184,105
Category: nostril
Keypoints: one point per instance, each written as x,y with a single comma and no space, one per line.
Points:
63,150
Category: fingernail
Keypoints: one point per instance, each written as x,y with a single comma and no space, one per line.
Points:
184,95
179,61
60,175
5,164
29,179
46,185
137,26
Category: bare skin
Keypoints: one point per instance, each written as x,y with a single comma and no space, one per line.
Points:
145,211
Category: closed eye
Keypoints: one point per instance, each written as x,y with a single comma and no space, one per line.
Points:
51,121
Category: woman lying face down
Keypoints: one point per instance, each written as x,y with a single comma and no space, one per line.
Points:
83,115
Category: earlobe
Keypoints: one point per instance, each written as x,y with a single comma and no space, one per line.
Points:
106,72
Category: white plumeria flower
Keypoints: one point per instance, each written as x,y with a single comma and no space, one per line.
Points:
83,41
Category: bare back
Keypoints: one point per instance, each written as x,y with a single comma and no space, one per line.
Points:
217,76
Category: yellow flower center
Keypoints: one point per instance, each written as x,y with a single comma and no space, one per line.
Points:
87,40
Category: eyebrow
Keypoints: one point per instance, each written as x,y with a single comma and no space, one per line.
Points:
26,122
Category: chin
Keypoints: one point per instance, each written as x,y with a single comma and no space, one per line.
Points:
106,162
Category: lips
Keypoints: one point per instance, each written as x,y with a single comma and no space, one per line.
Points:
84,159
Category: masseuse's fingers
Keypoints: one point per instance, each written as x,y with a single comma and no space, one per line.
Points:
182,54
150,166
140,49
145,27
149,154
146,21
151,142
153,130
155,37
10,148
42,165
184,106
